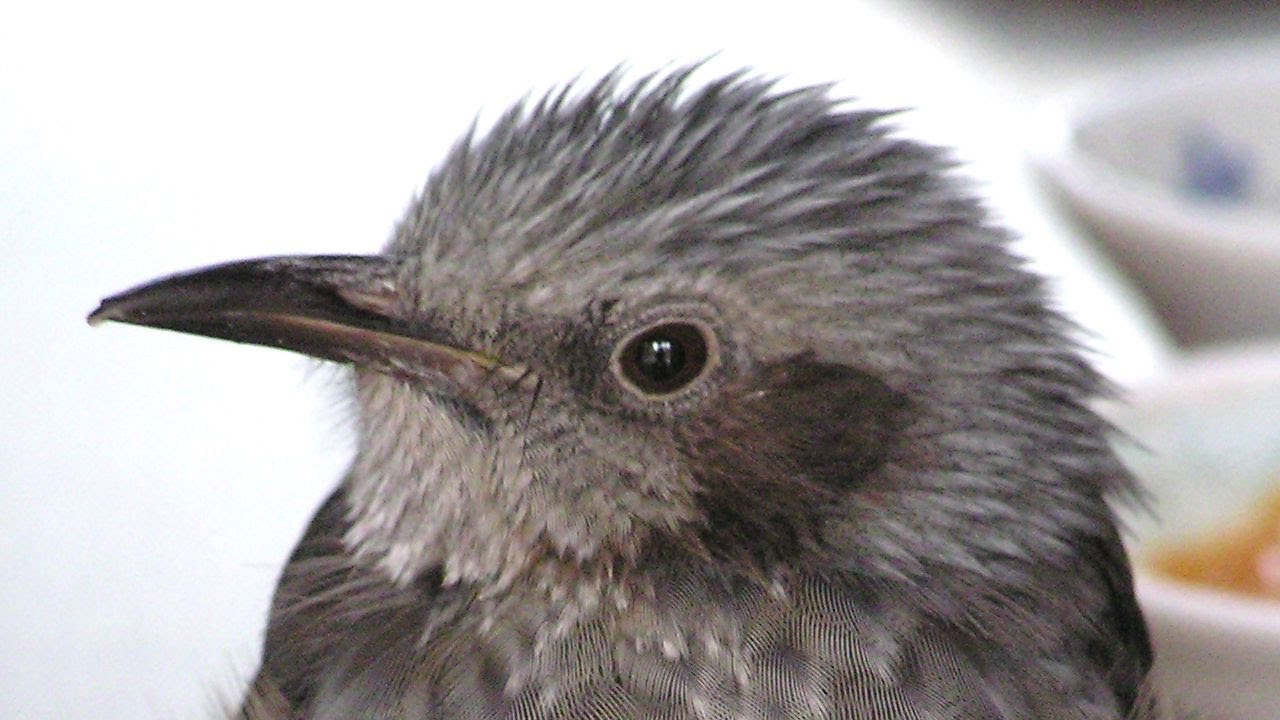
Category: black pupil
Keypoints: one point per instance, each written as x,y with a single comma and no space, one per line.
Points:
665,358
660,358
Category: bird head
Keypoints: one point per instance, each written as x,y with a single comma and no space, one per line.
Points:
728,323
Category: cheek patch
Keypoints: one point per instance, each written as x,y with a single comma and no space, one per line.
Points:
774,450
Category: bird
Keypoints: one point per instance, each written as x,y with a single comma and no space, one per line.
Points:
682,398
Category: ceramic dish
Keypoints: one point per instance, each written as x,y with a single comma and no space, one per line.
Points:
1207,449
1175,168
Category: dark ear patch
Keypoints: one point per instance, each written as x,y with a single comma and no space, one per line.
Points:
774,450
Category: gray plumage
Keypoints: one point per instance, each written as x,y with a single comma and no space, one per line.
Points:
880,493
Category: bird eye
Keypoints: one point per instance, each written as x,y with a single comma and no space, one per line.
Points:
664,358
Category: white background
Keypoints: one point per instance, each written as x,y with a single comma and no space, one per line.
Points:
151,484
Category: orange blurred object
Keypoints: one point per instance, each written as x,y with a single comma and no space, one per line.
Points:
1243,557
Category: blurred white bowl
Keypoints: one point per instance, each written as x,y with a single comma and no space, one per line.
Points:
1210,445
1176,169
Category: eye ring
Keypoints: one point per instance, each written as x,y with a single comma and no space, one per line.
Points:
665,358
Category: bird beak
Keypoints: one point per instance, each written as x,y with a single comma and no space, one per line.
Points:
340,308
